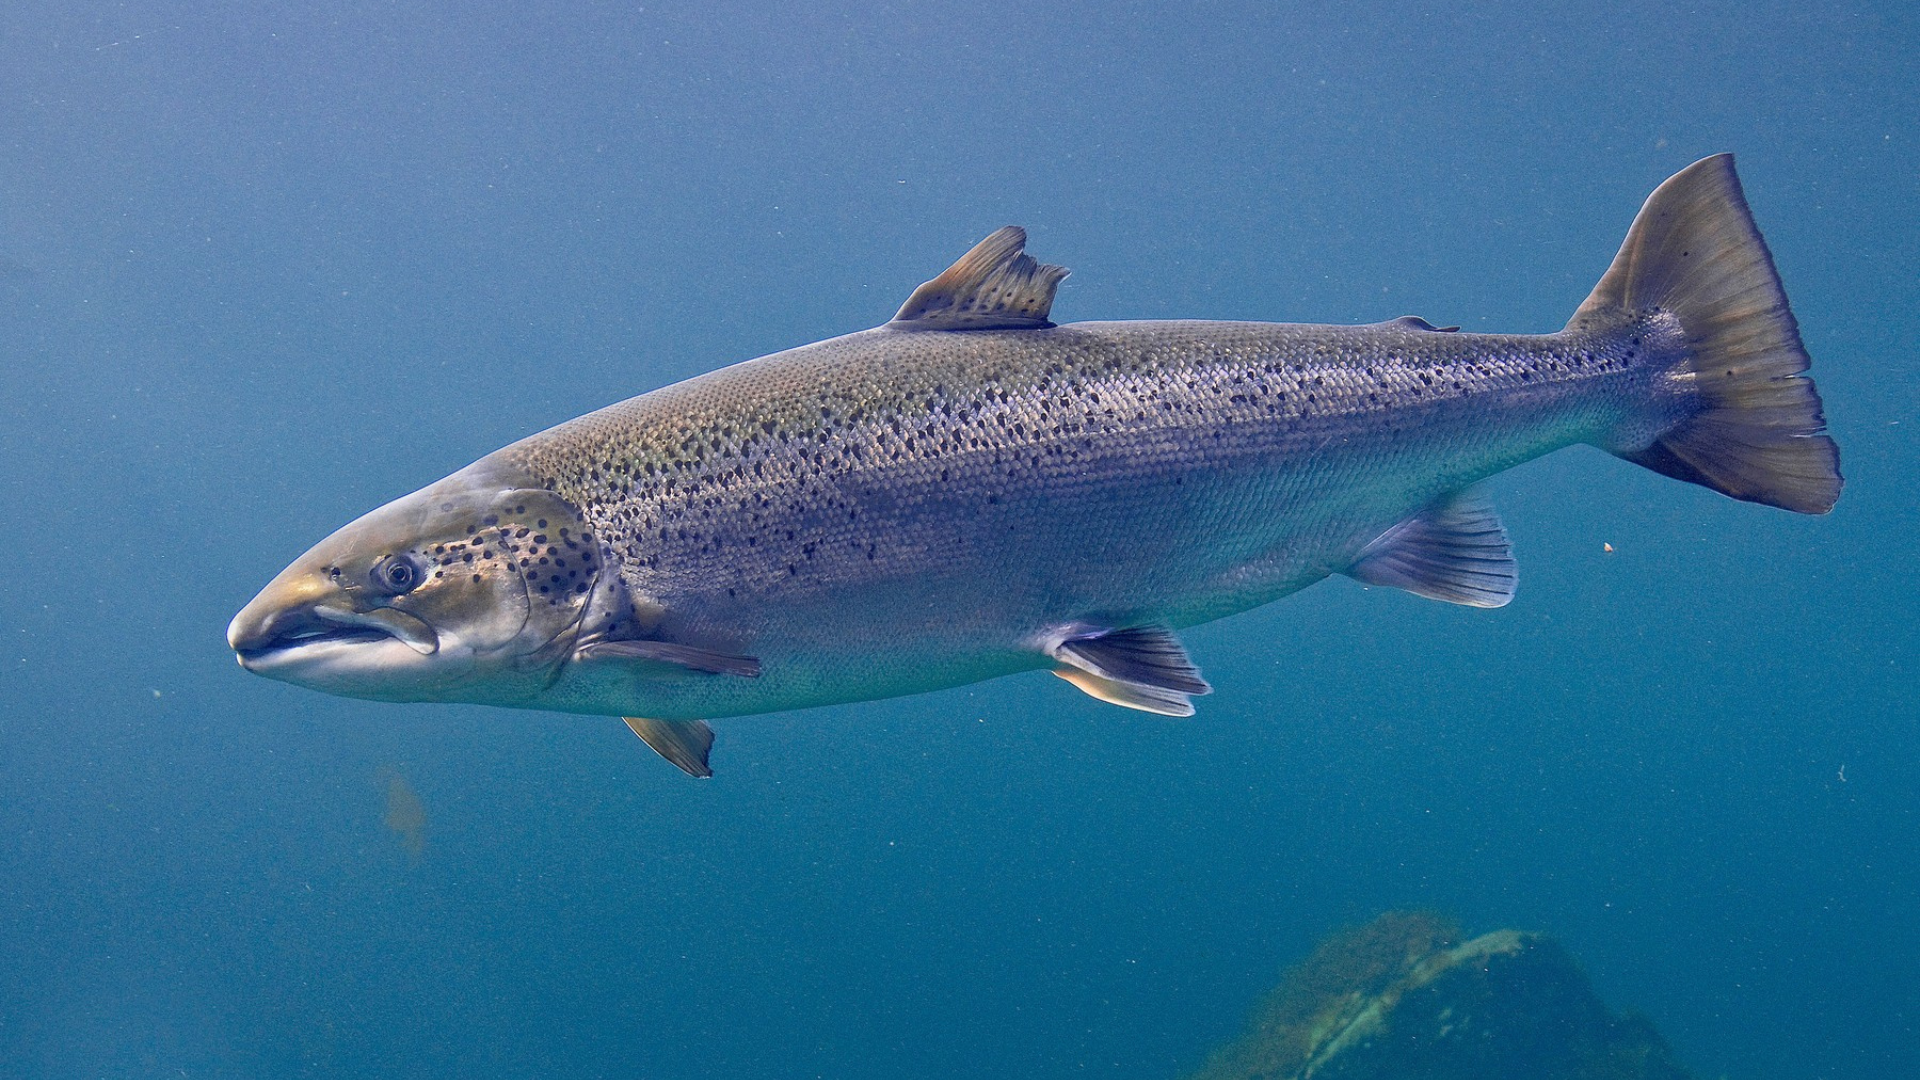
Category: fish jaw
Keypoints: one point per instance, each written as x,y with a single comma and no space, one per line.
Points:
378,669
304,629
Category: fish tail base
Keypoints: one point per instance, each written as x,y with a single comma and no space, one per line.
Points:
1755,429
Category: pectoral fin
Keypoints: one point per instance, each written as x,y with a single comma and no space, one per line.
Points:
1128,695
1141,667
1455,550
684,656
683,742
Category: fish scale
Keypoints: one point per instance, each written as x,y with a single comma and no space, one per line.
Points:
1246,413
1168,472
971,491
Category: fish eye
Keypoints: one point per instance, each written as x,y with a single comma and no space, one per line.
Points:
396,574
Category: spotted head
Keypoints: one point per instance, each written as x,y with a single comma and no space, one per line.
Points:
473,589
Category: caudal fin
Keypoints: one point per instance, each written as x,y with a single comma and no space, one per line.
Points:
1758,434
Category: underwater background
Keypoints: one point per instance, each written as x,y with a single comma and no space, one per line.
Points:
266,265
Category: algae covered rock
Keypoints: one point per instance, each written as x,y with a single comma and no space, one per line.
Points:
1404,997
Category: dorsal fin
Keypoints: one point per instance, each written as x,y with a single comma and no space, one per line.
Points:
996,286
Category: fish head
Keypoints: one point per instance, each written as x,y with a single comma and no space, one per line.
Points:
472,589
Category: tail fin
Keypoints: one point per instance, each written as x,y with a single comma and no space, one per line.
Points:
1759,434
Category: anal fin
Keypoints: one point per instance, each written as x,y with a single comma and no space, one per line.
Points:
683,742
1454,550
1141,667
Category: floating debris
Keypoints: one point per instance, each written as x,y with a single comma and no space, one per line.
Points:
406,814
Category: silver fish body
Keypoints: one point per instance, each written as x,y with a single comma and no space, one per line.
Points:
971,491
896,511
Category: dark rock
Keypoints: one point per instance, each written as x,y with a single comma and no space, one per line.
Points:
1403,998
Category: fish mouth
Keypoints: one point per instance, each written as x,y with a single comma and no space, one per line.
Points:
291,634
306,639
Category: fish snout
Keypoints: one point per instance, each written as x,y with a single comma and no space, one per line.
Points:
291,609
303,617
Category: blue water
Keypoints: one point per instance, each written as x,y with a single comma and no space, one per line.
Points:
266,265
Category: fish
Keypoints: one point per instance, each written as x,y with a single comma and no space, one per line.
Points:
971,491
